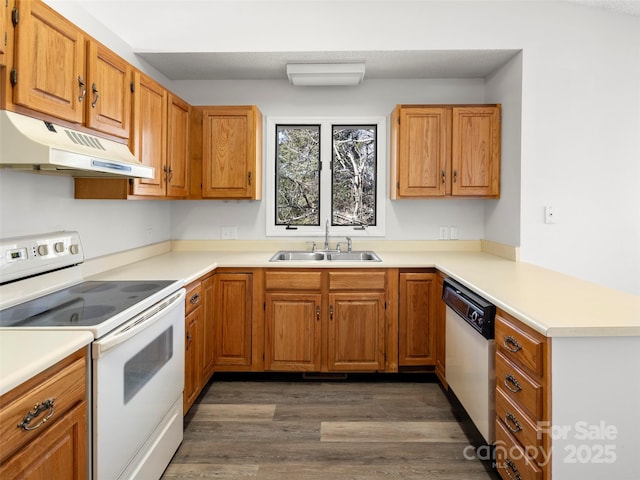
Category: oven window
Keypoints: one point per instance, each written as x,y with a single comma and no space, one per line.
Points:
144,364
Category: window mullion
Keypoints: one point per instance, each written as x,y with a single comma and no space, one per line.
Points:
325,174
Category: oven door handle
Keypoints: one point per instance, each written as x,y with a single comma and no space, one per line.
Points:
137,324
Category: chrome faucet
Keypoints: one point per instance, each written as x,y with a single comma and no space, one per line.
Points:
326,235
349,244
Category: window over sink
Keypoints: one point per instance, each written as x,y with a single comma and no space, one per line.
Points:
325,169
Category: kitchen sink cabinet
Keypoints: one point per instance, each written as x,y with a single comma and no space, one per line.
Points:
231,156
417,318
445,150
523,400
56,448
327,320
78,80
233,321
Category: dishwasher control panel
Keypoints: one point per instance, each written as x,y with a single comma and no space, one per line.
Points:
475,310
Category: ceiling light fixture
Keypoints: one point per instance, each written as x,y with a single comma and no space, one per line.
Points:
325,74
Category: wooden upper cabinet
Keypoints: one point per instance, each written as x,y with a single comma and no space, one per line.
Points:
4,32
177,173
49,74
475,151
148,141
108,99
232,152
442,150
422,151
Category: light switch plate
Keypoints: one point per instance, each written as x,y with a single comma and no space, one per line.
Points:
229,232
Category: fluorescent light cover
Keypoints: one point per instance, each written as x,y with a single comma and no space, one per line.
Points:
325,74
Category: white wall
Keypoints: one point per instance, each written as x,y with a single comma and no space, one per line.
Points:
33,203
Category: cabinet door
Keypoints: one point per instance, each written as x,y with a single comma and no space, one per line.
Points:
232,320
192,364
61,452
416,322
148,139
177,147
356,331
108,100
208,329
421,161
230,150
292,332
475,151
4,32
58,85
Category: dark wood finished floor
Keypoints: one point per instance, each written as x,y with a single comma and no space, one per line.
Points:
315,430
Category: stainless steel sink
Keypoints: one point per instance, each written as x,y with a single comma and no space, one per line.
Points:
355,256
284,255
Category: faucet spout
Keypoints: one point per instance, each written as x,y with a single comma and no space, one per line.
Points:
326,235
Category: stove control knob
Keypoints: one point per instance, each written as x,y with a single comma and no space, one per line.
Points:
73,248
59,247
43,250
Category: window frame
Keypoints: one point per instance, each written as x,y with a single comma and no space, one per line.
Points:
326,133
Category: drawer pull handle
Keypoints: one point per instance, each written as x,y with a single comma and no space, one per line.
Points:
511,344
35,412
509,465
511,383
512,423
195,299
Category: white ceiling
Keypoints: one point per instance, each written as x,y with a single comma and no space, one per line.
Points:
272,65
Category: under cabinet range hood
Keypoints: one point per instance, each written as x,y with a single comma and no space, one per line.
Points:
34,145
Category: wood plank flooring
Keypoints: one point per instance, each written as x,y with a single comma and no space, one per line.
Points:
322,430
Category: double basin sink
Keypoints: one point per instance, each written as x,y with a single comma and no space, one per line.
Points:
298,256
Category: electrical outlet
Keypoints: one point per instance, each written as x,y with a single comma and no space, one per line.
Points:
453,232
444,233
229,232
149,234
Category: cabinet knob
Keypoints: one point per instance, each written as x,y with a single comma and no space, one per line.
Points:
443,175
455,176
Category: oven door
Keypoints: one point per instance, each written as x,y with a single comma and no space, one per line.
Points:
138,377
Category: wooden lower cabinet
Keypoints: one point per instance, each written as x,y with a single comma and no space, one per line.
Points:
232,321
440,332
417,318
57,448
293,331
523,400
198,342
326,320
356,331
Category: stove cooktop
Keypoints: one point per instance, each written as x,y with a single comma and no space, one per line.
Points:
83,305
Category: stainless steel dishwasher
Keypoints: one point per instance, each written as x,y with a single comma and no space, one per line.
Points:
470,354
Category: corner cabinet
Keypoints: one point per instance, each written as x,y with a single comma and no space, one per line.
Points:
198,342
231,153
445,150
56,448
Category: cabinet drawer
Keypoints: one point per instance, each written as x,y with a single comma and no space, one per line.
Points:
357,280
293,281
520,344
518,386
64,383
511,461
193,297
521,427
